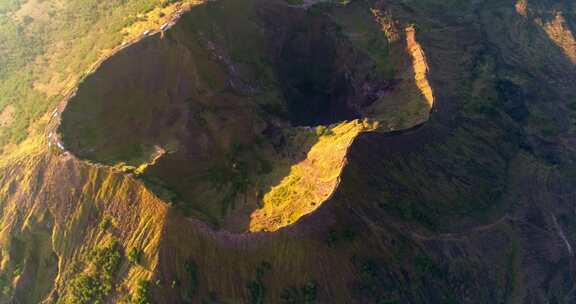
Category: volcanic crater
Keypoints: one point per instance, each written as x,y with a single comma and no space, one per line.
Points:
243,112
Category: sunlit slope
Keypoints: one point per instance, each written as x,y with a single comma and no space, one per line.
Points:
311,181
55,211
49,45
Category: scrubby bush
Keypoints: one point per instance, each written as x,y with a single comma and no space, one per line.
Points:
142,294
107,259
192,271
136,256
256,288
305,294
106,223
97,280
28,57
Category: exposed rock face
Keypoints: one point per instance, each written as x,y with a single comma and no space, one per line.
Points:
388,24
561,34
420,65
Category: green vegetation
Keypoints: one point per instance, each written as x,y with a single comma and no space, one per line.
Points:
142,295
136,256
543,124
428,281
106,223
238,74
424,264
192,271
48,45
357,23
375,284
442,214
295,2
256,288
97,280
511,280
337,237
305,294
234,177
5,285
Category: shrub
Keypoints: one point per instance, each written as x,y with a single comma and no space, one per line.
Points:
256,288
142,293
305,294
136,256
107,259
96,282
105,223
192,270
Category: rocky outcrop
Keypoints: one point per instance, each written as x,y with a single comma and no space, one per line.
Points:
419,64
559,32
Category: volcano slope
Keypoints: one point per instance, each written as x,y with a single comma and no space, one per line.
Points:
472,206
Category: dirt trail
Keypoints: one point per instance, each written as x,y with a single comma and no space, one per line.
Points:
308,3
460,236
562,235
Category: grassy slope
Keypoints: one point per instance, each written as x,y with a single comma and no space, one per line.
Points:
49,243
50,45
311,181
386,42
36,73
35,41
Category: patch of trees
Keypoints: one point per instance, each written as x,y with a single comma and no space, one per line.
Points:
136,256
96,281
142,295
256,288
305,294
336,237
192,271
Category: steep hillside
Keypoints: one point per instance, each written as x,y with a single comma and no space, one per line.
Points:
289,152
50,232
